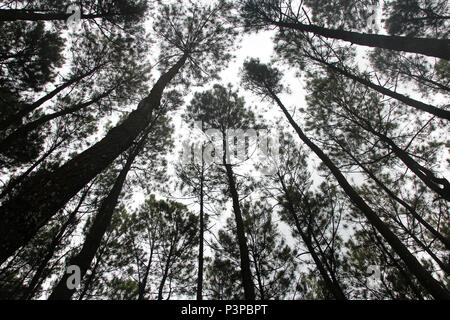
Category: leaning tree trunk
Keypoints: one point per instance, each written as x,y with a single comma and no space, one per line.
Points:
38,276
438,112
24,130
333,287
424,277
445,241
143,283
439,48
439,185
28,108
166,269
26,213
96,232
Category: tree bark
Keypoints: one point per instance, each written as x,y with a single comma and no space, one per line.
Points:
26,213
439,48
424,277
201,235
96,232
246,273
438,112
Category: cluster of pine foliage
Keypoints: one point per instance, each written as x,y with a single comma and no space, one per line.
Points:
357,203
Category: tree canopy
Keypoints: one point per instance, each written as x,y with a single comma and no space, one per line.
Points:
150,150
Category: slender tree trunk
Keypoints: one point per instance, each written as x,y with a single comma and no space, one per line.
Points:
28,108
333,286
262,293
391,194
424,277
24,130
430,82
143,283
166,271
403,273
96,232
201,235
37,277
421,172
44,198
329,267
91,277
441,113
439,48
246,273
17,181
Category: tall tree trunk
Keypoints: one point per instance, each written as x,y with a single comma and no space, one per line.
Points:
28,108
91,277
27,128
202,234
333,286
25,214
262,293
400,269
143,283
246,273
438,112
424,277
439,48
166,270
96,232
